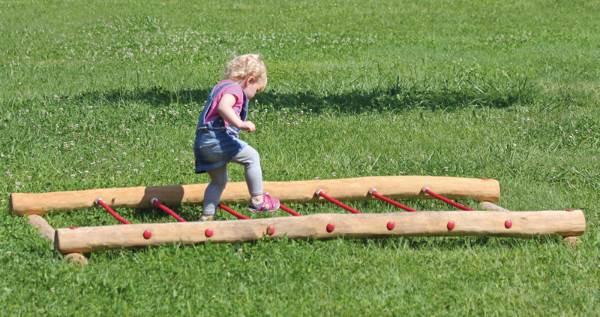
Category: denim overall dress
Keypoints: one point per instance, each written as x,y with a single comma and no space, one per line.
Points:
216,143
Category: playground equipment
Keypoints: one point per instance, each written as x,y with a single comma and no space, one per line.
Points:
493,220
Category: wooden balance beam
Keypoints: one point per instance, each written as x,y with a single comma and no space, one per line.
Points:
347,189
325,226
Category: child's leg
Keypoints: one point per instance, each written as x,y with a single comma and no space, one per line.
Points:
249,157
261,202
212,194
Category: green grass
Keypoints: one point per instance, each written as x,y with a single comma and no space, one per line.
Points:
106,94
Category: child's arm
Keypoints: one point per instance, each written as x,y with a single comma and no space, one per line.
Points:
225,109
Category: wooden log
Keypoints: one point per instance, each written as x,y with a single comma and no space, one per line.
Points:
324,226
42,226
572,241
350,188
76,258
48,232
486,205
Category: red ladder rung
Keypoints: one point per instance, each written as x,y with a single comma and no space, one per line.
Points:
321,193
111,211
447,200
289,210
233,212
390,201
158,204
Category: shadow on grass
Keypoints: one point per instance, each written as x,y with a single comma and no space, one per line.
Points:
399,96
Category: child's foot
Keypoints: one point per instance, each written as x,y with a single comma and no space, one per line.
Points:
207,218
268,204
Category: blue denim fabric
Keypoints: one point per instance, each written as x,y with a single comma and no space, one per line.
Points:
215,145
214,148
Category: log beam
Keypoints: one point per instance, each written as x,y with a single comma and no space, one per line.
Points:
42,226
76,258
325,226
348,189
47,232
486,205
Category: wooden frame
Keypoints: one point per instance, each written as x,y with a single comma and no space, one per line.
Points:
326,226
73,242
347,189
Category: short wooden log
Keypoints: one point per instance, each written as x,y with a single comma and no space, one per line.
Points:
427,223
346,189
572,241
486,205
76,258
42,226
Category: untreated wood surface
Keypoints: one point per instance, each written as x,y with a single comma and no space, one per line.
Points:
42,226
349,188
486,205
76,258
324,226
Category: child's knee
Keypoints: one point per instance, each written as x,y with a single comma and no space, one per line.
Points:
218,177
254,156
248,157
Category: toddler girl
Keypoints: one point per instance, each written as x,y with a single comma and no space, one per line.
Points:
217,134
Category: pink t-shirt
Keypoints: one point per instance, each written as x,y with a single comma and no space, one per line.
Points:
232,88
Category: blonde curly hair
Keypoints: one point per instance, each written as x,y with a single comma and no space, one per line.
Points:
244,66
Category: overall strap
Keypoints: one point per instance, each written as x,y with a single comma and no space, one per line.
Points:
244,112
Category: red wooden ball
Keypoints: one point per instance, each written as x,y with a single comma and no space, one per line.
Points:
450,225
330,227
390,225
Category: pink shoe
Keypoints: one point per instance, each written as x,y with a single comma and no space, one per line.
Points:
269,204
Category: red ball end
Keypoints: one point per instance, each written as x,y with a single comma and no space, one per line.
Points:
330,227
209,233
390,225
270,230
147,234
508,224
450,225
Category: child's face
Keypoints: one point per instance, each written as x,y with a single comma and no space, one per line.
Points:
253,86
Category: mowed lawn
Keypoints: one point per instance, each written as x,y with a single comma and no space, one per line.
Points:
98,94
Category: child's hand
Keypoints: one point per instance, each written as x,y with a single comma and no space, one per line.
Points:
248,126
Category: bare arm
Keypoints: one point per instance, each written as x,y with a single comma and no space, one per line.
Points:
225,109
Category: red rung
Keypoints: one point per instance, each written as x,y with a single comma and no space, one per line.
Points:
390,201
445,199
337,202
289,210
113,213
233,212
158,204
